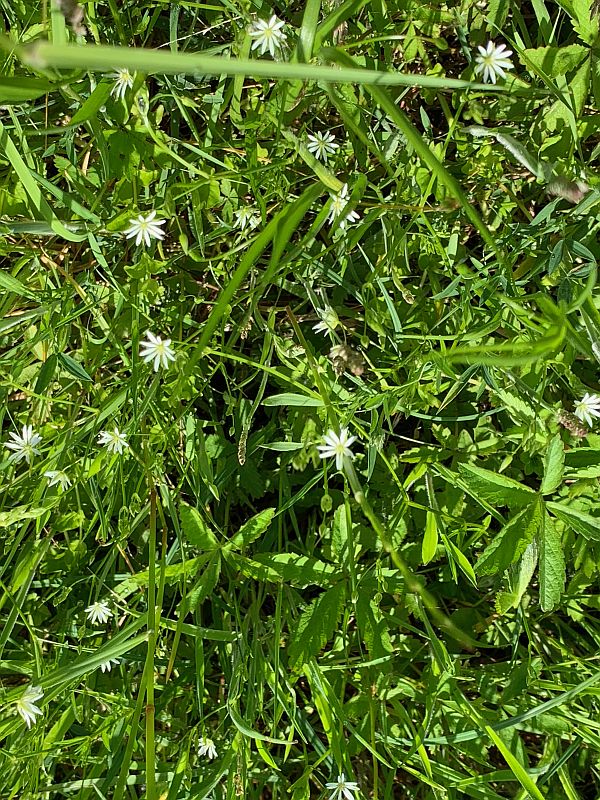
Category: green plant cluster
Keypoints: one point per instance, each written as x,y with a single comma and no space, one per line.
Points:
351,234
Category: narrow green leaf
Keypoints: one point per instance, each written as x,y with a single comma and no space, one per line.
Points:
517,768
554,465
73,367
498,490
46,374
316,625
195,529
552,565
510,544
92,105
12,284
430,539
373,627
290,399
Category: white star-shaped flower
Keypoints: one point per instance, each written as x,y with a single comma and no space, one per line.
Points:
145,228
329,320
246,218
123,80
267,35
114,441
26,704
206,747
24,446
493,61
337,447
157,350
342,789
322,145
106,666
338,204
587,408
58,477
99,612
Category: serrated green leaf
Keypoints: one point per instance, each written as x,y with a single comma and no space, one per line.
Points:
554,464
582,523
251,530
496,489
553,61
73,367
298,571
373,627
206,583
316,625
510,544
552,565
196,530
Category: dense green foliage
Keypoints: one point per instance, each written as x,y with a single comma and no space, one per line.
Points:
422,620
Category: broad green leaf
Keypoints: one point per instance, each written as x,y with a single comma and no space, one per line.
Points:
510,544
552,565
555,61
196,530
316,625
251,530
18,514
582,523
586,20
553,466
498,490
206,582
430,538
73,367
21,89
289,399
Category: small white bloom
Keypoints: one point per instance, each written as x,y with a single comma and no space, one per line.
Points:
588,408
99,612
267,35
493,61
157,350
58,476
106,666
337,446
206,747
322,145
342,789
338,204
329,320
24,446
246,218
123,80
26,704
114,441
145,228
